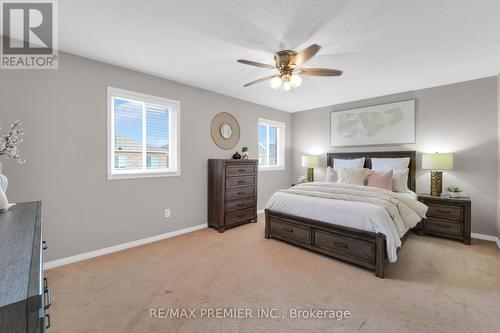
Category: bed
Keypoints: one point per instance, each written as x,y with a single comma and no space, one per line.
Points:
348,240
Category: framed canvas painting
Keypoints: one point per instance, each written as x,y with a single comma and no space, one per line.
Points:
384,124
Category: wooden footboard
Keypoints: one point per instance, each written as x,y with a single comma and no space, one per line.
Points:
363,248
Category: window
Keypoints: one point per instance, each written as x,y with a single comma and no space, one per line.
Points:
271,145
143,135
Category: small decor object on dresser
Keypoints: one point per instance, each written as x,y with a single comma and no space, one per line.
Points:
453,191
236,156
8,147
232,193
447,217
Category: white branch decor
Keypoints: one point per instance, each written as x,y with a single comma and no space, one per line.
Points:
9,141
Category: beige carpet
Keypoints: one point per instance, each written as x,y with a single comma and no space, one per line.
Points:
436,286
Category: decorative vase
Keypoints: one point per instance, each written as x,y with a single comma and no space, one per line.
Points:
3,189
236,156
4,182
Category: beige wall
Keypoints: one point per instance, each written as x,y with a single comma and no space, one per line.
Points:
64,114
459,118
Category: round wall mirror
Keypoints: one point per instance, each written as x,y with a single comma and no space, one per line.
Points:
226,131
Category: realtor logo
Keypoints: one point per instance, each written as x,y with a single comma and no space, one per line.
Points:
29,35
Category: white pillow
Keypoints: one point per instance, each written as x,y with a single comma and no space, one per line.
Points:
352,176
400,180
386,164
357,163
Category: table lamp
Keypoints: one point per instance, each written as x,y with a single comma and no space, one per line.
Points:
310,162
436,163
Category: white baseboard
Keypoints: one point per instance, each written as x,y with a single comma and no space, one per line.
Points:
119,247
260,211
487,238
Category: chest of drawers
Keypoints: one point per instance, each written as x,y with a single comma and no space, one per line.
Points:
232,193
24,292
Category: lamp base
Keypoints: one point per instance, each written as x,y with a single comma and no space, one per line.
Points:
310,174
436,183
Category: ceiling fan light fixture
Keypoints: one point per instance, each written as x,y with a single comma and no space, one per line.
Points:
275,82
287,86
295,81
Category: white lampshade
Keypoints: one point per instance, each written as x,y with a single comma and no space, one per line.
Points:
295,80
310,161
287,85
275,82
437,161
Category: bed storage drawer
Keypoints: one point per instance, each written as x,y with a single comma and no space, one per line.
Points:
291,231
445,212
345,245
443,227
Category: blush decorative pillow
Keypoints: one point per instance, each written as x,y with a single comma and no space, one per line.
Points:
400,180
380,179
352,176
357,163
331,175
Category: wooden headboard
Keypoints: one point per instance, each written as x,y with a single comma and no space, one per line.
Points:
412,179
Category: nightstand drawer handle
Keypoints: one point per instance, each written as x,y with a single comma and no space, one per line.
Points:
339,244
443,226
442,211
287,229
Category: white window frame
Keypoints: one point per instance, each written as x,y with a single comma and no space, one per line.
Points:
280,144
174,106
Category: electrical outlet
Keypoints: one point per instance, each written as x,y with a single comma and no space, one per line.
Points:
167,213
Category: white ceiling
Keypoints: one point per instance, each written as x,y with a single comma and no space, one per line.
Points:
383,46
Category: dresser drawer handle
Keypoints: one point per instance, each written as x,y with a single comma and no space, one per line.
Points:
339,244
443,226
241,182
241,193
48,320
241,215
240,205
47,295
287,229
44,245
241,170
442,211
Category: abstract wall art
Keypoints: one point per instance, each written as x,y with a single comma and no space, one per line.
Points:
384,124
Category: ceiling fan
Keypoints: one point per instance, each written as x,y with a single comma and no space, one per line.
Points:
288,64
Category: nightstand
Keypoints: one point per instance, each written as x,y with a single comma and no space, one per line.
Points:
447,217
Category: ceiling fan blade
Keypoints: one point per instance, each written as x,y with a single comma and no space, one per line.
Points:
260,80
256,64
306,54
319,72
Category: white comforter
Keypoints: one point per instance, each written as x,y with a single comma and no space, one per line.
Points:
361,207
